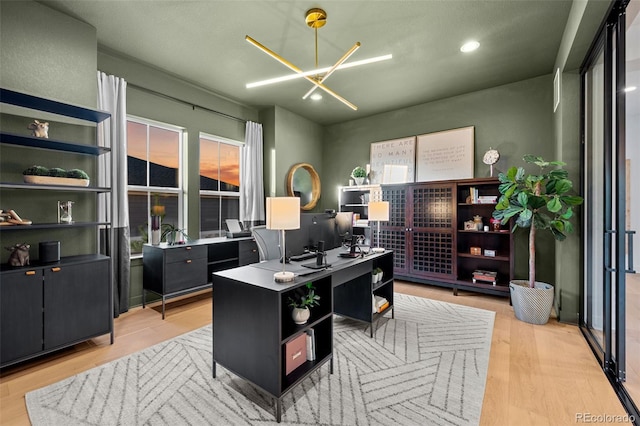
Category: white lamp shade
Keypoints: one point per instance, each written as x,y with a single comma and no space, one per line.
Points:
283,213
378,210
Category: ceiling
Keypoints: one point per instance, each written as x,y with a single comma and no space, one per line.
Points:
203,42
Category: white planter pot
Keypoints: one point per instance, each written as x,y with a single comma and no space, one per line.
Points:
359,180
532,305
300,315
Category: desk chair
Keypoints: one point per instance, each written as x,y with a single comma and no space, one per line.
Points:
268,242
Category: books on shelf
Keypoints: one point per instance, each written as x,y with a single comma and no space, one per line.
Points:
379,304
475,198
361,222
487,199
311,345
473,195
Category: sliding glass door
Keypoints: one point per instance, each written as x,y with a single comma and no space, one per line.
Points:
632,200
610,316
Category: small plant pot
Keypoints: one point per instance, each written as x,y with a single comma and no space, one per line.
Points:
380,275
359,180
532,305
300,315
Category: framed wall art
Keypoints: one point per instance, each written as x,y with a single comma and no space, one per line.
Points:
396,152
445,155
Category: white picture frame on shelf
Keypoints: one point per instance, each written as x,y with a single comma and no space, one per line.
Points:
445,155
394,174
395,152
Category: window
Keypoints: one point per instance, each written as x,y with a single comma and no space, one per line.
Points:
219,184
154,161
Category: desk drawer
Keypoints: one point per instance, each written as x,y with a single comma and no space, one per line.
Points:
248,252
183,252
185,274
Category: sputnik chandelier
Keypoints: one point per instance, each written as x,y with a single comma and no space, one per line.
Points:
314,18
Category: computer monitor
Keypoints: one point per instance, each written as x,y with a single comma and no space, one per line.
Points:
344,226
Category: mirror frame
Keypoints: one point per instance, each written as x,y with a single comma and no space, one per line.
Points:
315,184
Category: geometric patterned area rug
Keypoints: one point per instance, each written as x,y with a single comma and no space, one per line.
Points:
428,366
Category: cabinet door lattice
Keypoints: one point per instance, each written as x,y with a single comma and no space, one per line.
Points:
393,234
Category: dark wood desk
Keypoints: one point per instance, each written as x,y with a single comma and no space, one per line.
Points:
252,322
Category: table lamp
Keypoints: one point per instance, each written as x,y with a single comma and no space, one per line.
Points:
283,213
378,211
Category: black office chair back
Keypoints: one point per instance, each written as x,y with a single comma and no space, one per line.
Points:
268,242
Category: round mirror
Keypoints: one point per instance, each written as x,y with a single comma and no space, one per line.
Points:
303,181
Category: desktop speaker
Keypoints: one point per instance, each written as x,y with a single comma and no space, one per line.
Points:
49,251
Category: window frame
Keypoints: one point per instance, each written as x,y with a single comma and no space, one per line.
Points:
149,190
219,193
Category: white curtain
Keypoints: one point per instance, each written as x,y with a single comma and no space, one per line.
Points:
251,177
112,98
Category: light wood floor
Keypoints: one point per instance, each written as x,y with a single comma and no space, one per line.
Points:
538,375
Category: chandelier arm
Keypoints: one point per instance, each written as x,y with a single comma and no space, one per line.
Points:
333,68
299,71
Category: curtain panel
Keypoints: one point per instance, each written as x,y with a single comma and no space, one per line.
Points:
112,98
251,177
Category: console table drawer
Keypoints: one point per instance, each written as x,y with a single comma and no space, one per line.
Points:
185,274
248,252
181,253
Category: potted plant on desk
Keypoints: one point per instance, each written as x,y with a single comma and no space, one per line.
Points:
538,202
171,233
302,302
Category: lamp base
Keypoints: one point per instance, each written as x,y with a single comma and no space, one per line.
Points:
377,250
284,277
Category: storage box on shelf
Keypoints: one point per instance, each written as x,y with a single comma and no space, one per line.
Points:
46,307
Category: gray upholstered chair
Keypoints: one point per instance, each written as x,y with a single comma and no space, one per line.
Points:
268,242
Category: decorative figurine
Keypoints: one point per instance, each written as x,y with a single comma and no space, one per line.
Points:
19,254
39,130
477,219
64,212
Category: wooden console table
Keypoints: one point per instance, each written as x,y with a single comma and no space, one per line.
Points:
252,323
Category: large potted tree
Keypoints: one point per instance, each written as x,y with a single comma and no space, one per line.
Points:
540,202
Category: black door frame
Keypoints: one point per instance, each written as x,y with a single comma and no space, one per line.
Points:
612,360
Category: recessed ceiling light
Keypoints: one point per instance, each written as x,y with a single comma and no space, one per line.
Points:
316,96
470,46
630,88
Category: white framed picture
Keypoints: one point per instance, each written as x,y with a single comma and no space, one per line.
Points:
394,174
396,152
445,155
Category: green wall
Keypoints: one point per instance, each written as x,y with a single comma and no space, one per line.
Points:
516,119
49,54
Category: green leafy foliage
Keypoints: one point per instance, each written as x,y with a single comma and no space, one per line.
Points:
537,201
36,171
539,198
359,172
77,174
57,172
305,297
